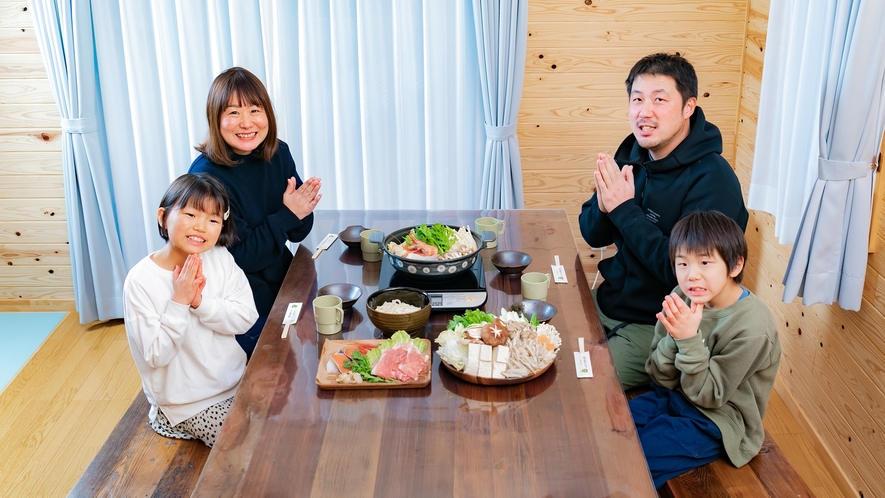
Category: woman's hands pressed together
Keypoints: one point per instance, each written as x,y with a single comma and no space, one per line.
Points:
302,200
680,320
188,282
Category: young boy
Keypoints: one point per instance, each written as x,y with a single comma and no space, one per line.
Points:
714,356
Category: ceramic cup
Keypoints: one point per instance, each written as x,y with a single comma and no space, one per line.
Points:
535,285
371,250
328,313
493,225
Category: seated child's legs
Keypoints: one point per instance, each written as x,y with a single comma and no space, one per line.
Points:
675,436
203,426
629,347
249,339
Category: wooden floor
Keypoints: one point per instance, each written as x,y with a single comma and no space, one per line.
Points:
58,411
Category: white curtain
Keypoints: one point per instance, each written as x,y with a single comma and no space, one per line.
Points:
381,99
501,27
847,69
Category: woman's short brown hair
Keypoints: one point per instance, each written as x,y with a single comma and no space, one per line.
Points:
236,83
200,191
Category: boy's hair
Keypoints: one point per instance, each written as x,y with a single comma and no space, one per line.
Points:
238,83
203,192
700,232
672,65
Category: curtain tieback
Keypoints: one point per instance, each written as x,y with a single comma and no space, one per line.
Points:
500,133
80,125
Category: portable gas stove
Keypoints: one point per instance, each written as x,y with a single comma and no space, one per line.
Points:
465,290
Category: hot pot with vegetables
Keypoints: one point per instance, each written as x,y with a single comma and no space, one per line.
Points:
432,251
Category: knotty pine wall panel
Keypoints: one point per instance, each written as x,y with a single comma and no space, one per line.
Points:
35,265
833,366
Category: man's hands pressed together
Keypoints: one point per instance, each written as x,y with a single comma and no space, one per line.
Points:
614,186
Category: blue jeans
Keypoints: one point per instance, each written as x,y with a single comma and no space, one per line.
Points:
248,340
675,436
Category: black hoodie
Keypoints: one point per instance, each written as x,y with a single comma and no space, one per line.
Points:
692,177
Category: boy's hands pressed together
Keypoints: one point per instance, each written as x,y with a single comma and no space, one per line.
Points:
680,320
188,282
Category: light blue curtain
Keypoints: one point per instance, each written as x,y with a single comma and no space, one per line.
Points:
829,258
66,42
381,99
501,31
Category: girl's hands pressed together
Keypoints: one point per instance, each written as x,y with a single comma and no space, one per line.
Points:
302,200
680,320
188,282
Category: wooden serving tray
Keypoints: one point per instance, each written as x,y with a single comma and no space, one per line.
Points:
326,380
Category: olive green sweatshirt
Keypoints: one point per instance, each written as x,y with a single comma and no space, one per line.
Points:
727,370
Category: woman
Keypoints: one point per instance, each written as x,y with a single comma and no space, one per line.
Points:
269,203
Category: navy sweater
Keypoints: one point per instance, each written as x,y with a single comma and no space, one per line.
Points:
692,177
263,223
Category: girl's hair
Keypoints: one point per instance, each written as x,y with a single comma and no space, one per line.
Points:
700,232
203,192
239,84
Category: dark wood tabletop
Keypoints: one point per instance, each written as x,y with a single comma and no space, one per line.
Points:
554,436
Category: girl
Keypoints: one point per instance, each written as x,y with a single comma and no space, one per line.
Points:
183,306
270,204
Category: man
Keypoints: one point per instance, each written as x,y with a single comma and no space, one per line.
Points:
670,166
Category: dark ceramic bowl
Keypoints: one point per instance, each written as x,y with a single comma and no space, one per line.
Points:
543,311
351,236
511,262
348,293
391,322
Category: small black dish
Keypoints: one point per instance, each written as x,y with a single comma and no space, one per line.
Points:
543,311
348,293
351,236
511,262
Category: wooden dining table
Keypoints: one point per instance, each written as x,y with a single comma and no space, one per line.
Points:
553,436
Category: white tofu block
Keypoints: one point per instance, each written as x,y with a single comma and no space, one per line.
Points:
498,370
473,350
485,369
485,352
472,366
502,354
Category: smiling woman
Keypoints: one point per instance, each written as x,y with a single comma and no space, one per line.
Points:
270,205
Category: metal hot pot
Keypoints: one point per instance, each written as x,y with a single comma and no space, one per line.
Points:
427,269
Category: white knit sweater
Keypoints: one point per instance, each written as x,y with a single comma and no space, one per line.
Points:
188,359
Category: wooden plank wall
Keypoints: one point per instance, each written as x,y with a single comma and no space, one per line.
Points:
35,266
833,368
574,105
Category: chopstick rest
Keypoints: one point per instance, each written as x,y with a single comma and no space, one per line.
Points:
292,313
558,271
582,361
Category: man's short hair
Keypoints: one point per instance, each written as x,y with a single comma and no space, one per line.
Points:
672,65
700,232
